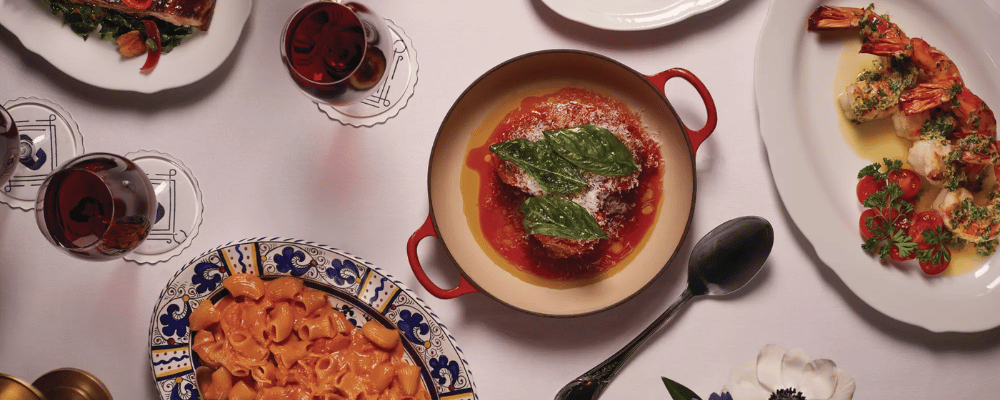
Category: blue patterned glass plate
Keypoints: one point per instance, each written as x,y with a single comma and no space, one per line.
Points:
355,287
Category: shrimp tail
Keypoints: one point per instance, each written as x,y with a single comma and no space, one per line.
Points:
892,47
925,97
974,116
934,62
830,18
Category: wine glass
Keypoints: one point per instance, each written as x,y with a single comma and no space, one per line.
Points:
10,146
336,53
97,206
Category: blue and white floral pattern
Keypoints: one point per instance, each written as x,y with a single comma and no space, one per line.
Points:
355,287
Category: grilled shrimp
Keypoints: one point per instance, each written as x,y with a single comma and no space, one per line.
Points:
976,223
924,93
954,164
875,94
884,38
972,115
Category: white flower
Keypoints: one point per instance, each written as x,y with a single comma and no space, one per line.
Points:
789,375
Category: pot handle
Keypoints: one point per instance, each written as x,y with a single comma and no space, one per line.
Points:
697,136
425,230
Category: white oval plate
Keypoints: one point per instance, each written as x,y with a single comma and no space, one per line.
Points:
97,62
815,171
355,287
630,15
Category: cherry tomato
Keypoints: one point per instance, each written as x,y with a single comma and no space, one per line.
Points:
899,219
934,269
868,185
894,253
921,222
869,213
908,180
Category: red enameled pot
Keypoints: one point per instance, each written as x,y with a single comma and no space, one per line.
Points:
473,118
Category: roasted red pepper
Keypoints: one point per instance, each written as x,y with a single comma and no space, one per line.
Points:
138,4
153,55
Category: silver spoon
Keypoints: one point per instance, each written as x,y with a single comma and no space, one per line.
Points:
722,262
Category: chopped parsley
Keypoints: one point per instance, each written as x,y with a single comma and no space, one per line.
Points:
986,248
938,127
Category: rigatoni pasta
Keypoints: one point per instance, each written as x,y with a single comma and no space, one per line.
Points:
282,340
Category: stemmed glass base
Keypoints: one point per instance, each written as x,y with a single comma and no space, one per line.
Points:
394,90
49,137
144,206
179,207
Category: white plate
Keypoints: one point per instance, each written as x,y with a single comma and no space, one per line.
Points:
97,61
815,170
630,15
355,287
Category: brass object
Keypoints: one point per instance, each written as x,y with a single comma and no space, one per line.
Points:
71,384
12,388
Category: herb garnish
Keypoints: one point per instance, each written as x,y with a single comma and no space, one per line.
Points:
559,217
890,210
935,239
553,173
593,149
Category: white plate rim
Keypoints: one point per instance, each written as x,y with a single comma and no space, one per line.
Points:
966,303
641,18
388,295
201,54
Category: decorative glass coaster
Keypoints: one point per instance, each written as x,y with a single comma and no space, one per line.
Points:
395,88
178,210
49,137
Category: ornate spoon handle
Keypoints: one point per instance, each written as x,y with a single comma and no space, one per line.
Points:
591,384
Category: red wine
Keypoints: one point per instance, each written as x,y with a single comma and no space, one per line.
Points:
10,146
326,42
97,206
336,53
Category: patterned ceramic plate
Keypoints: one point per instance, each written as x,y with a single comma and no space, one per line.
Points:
355,287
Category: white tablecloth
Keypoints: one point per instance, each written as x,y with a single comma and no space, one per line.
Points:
270,164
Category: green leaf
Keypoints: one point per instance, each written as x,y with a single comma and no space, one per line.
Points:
893,165
559,217
873,170
678,391
593,149
552,173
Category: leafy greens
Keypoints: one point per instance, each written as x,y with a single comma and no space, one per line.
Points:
109,24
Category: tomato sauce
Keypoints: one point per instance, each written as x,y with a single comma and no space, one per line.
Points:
499,204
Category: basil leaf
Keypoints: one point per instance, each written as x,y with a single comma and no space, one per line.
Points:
559,217
552,173
678,391
593,149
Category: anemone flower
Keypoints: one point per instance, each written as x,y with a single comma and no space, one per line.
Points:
788,375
